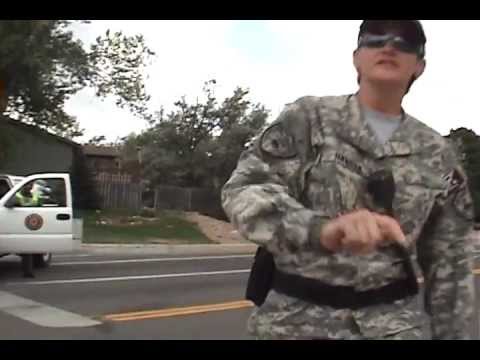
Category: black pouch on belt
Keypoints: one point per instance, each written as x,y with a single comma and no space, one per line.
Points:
260,280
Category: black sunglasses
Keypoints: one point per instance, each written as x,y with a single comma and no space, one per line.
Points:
398,42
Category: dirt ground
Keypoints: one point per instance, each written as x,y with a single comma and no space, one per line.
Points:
216,230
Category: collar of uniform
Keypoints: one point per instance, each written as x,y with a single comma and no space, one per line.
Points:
397,148
353,129
356,131
403,141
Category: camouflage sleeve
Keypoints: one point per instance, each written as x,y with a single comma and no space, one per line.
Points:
261,198
445,255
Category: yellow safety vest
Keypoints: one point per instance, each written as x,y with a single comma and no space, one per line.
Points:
28,201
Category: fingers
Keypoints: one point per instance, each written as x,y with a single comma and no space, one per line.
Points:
391,229
372,236
361,232
351,241
374,230
358,244
331,236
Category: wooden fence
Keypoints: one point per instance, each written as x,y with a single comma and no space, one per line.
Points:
117,192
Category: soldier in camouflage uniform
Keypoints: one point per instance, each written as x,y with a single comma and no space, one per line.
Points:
299,191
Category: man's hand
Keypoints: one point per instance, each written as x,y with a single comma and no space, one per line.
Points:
360,232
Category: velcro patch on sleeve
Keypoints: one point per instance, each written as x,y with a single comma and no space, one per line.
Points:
457,187
278,143
455,180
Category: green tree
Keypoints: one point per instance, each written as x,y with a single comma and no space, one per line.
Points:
241,122
199,144
131,156
42,65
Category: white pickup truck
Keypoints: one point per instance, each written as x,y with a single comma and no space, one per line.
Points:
41,228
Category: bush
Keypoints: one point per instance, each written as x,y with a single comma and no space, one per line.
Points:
148,213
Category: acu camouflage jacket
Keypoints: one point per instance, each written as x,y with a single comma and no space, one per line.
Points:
310,166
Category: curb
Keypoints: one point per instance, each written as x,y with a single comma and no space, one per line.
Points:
199,249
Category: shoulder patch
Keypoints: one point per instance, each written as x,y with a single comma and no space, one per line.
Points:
276,142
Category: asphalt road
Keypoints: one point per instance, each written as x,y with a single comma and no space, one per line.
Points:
123,297
96,286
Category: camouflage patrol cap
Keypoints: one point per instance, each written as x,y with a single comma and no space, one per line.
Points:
411,30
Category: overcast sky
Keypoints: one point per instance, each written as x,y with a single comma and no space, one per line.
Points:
280,61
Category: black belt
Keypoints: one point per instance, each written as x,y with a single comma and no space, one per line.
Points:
341,297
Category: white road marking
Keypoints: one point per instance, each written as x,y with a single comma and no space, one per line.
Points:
126,261
41,314
71,255
123,278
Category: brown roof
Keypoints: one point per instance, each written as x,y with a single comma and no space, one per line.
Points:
95,150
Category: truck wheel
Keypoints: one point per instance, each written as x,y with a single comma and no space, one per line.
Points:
42,260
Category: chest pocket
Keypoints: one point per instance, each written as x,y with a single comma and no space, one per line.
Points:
335,183
417,191
351,183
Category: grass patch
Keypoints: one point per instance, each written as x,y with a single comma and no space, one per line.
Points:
123,226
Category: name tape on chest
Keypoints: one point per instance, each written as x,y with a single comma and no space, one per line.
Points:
349,164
